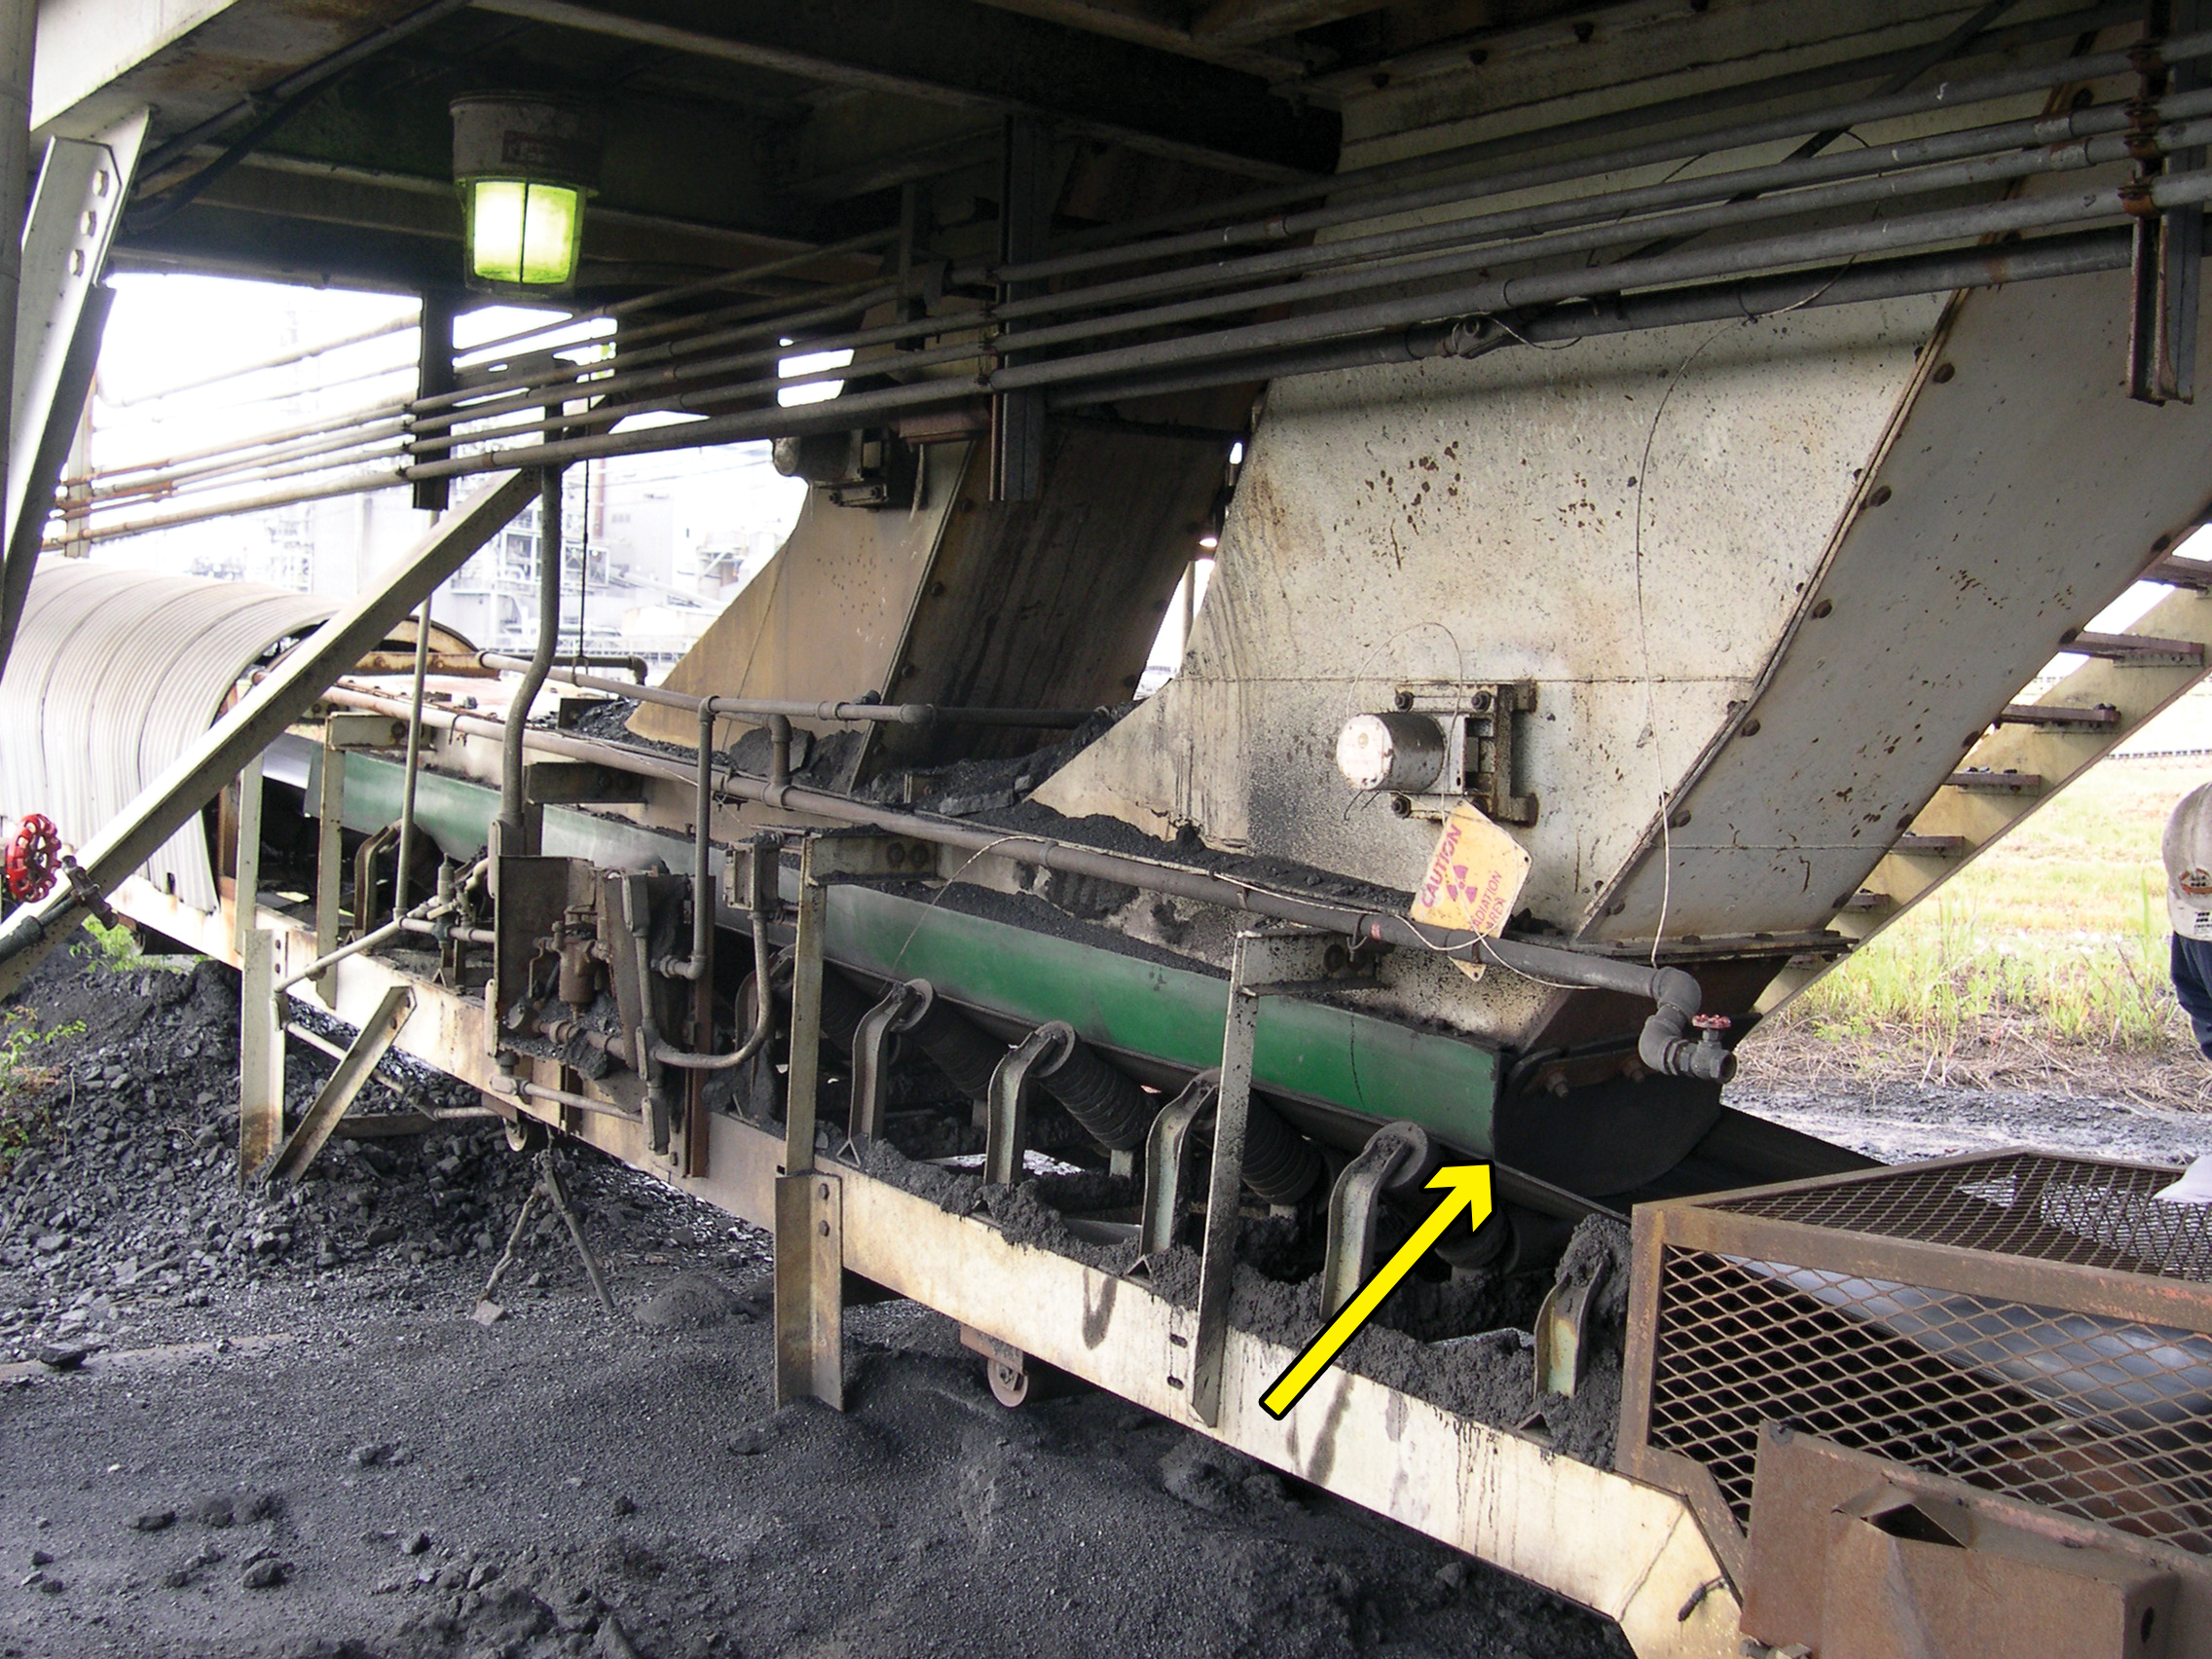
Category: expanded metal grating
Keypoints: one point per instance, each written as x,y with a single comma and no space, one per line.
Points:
2029,1204
2087,1411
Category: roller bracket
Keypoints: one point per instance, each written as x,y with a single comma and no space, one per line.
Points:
900,1010
1007,1106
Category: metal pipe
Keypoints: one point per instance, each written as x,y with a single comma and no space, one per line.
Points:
406,860
1677,993
429,910
765,709
1947,94
1720,100
2077,254
2049,257
2099,120
1545,287
511,803
467,936
693,289
1838,242
561,1098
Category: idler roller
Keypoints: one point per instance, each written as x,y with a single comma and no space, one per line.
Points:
963,1051
1100,1096
1280,1165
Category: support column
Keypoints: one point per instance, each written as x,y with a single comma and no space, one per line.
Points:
261,1055
810,1278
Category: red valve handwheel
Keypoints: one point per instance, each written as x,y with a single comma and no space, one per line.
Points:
34,858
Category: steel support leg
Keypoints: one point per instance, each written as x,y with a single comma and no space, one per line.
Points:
247,886
1263,958
802,1081
329,860
810,1275
1224,1186
343,1087
1007,1119
261,1055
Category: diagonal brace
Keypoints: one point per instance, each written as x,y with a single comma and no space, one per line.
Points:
343,1087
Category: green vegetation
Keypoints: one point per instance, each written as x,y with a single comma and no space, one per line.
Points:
2044,959
113,949
25,1121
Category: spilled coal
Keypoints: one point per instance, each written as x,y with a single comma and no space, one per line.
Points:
265,1428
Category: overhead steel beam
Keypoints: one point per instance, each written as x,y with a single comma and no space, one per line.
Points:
60,316
1243,21
1163,28
190,781
949,52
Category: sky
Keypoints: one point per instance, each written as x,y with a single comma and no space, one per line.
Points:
168,333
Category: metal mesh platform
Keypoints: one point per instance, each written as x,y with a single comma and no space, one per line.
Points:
2030,1204
2029,1324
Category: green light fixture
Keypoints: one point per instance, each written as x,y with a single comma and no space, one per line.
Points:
524,165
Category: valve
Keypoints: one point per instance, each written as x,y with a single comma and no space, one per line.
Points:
34,858
1713,1028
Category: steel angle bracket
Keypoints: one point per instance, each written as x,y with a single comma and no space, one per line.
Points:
61,313
343,1087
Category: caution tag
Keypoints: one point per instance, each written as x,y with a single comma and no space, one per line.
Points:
1473,881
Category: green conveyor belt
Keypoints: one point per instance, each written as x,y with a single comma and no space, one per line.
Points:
1360,1062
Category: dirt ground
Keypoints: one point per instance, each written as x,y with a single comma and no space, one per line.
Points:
277,1432
271,1429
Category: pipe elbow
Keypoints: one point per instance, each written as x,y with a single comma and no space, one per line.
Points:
1666,1046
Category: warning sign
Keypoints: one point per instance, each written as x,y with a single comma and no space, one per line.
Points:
1474,879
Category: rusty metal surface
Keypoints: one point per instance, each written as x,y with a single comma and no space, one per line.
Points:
2022,1203
2031,1325
1851,1556
115,673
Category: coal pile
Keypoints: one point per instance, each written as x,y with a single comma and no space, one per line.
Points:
123,1219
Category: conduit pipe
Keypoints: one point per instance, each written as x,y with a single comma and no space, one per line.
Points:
511,805
1677,993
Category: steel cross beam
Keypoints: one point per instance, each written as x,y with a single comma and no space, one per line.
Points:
191,780
945,51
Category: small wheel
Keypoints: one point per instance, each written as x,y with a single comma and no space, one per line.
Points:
527,1134
1009,1385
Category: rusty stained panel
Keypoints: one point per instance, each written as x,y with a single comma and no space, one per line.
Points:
1054,603
2020,494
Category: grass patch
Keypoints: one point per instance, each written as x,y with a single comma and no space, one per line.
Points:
26,1121
2041,965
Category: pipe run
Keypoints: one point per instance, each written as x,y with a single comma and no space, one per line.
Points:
1676,992
858,711
550,527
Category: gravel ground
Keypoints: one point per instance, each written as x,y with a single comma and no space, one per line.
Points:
270,1428
248,1428
1899,1121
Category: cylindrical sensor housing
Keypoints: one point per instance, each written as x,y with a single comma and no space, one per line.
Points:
1399,752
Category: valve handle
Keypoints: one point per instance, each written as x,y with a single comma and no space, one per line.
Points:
33,857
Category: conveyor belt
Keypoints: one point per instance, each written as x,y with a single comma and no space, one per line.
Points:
114,672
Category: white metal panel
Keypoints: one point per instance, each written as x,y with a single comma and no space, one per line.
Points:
85,43
114,674
2025,491
1476,521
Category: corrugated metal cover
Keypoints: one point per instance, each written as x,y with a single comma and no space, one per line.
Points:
114,672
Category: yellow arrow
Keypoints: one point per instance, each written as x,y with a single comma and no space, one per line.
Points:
1467,1188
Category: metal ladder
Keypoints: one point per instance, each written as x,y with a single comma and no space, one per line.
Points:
2030,754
